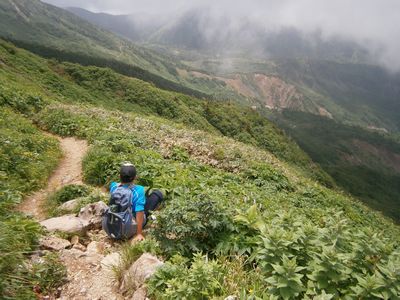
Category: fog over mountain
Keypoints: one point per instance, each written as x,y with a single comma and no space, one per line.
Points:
371,24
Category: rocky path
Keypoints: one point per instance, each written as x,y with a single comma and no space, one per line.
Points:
69,171
88,254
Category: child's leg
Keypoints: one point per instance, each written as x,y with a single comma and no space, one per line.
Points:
153,201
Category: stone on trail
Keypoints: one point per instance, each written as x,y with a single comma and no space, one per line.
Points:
67,223
80,247
140,294
53,243
141,270
75,240
93,214
110,261
96,247
70,205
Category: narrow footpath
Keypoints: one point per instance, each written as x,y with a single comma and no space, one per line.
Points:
89,258
69,171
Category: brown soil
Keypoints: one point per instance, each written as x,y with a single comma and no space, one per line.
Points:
86,277
69,171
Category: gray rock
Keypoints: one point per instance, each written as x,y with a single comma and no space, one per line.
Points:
80,247
53,243
67,223
140,294
96,247
93,213
231,298
70,205
141,270
111,260
75,240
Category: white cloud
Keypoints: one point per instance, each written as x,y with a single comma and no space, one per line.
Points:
372,23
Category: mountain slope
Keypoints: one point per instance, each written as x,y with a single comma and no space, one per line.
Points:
324,76
364,163
200,30
40,23
136,27
71,82
236,219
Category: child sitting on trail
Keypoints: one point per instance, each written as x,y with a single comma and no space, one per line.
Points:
139,205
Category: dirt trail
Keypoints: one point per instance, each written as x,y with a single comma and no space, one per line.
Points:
69,171
88,277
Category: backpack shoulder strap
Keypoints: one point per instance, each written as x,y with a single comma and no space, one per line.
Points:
132,188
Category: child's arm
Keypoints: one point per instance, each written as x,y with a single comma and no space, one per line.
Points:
139,211
139,220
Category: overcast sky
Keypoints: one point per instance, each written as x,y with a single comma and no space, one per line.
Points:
375,23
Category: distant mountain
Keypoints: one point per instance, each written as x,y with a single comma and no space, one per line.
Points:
198,30
136,27
37,23
284,69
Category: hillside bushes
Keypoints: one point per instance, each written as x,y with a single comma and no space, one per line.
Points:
298,240
26,159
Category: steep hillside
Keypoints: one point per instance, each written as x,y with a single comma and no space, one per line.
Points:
56,33
70,82
237,220
44,24
136,27
294,70
365,163
356,94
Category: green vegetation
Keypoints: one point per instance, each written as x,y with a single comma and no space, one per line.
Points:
239,218
364,163
355,94
53,32
70,192
26,159
299,239
37,23
40,80
83,195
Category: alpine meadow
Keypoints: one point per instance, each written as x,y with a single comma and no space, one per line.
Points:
280,170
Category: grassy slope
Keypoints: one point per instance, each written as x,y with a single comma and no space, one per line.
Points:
56,33
44,24
73,83
205,172
27,158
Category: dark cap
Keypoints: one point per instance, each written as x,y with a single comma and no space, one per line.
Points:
127,172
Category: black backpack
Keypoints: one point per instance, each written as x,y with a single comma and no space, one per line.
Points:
118,220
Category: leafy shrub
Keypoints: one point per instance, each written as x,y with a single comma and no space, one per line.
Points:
193,225
26,159
100,165
299,259
264,175
203,279
22,102
48,274
70,192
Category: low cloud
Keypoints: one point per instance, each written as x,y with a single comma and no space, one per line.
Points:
370,23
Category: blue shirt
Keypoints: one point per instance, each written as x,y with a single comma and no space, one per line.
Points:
138,199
